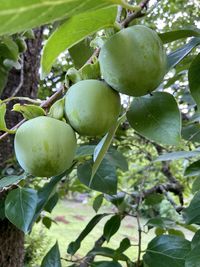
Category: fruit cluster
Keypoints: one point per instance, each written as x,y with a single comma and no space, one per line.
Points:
132,62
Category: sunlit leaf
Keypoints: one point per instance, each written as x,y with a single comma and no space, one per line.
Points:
29,111
21,15
2,119
194,80
73,31
185,32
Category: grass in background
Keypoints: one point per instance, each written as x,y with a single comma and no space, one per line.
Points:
72,217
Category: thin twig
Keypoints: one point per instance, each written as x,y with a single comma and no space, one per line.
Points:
136,14
24,98
171,201
90,258
95,54
51,99
44,104
139,239
119,14
139,201
21,78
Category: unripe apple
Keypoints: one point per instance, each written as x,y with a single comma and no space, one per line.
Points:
133,61
45,146
91,107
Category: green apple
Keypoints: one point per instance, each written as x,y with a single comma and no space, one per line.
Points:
91,107
45,146
133,61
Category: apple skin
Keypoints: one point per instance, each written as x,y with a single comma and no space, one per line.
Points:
133,61
45,146
92,107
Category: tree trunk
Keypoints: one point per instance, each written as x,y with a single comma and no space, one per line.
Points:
11,245
31,62
12,239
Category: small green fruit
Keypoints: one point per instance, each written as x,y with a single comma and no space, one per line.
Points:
133,61
91,107
44,146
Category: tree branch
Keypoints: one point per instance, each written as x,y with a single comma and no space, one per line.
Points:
90,258
45,104
160,189
138,14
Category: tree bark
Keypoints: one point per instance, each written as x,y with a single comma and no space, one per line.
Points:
11,238
31,61
11,245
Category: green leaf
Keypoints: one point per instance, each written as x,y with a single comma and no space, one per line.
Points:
156,117
108,252
175,57
74,246
73,31
51,202
111,227
20,206
191,214
153,199
194,79
191,133
2,119
166,250
10,180
176,232
196,185
47,222
191,228
196,240
117,159
124,245
16,16
72,76
160,222
84,151
57,109
81,52
45,193
117,199
3,78
9,49
103,146
98,202
90,71
9,64
105,179
193,258
159,231
193,169
29,111
185,32
178,155
52,258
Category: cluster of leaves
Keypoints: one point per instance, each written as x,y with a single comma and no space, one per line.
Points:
157,119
